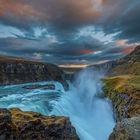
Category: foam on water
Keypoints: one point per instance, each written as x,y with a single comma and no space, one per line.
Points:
91,115
38,100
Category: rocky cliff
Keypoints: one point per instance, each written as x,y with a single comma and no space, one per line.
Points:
122,86
17,70
129,64
104,67
18,125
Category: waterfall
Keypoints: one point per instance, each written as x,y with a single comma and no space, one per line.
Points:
90,114
89,111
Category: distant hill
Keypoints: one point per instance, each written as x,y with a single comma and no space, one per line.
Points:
129,64
19,59
134,56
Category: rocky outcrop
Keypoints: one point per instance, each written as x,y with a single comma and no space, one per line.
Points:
18,125
104,68
15,71
124,92
127,129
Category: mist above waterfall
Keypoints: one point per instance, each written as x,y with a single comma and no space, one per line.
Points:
91,115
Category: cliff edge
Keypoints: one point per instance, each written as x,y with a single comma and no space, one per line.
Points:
18,125
17,70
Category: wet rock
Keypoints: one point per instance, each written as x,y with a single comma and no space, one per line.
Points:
46,87
127,129
19,125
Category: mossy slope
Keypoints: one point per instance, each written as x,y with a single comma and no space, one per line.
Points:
124,92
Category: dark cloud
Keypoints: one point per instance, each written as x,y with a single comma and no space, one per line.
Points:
63,14
123,17
83,51
59,22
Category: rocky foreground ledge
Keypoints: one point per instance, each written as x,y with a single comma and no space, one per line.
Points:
18,125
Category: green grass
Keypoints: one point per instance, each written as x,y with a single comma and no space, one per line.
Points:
122,83
124,92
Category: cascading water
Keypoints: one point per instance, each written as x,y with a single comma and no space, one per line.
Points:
90,113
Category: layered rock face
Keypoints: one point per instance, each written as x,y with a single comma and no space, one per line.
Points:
122,86
16,71
18,125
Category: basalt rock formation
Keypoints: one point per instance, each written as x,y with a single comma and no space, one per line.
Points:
17,70
122,86
18,125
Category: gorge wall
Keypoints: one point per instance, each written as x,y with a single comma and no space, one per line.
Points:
16,71
122,86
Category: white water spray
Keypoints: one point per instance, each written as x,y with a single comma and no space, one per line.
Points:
91,115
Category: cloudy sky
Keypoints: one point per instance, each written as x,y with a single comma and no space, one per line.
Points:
69,32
